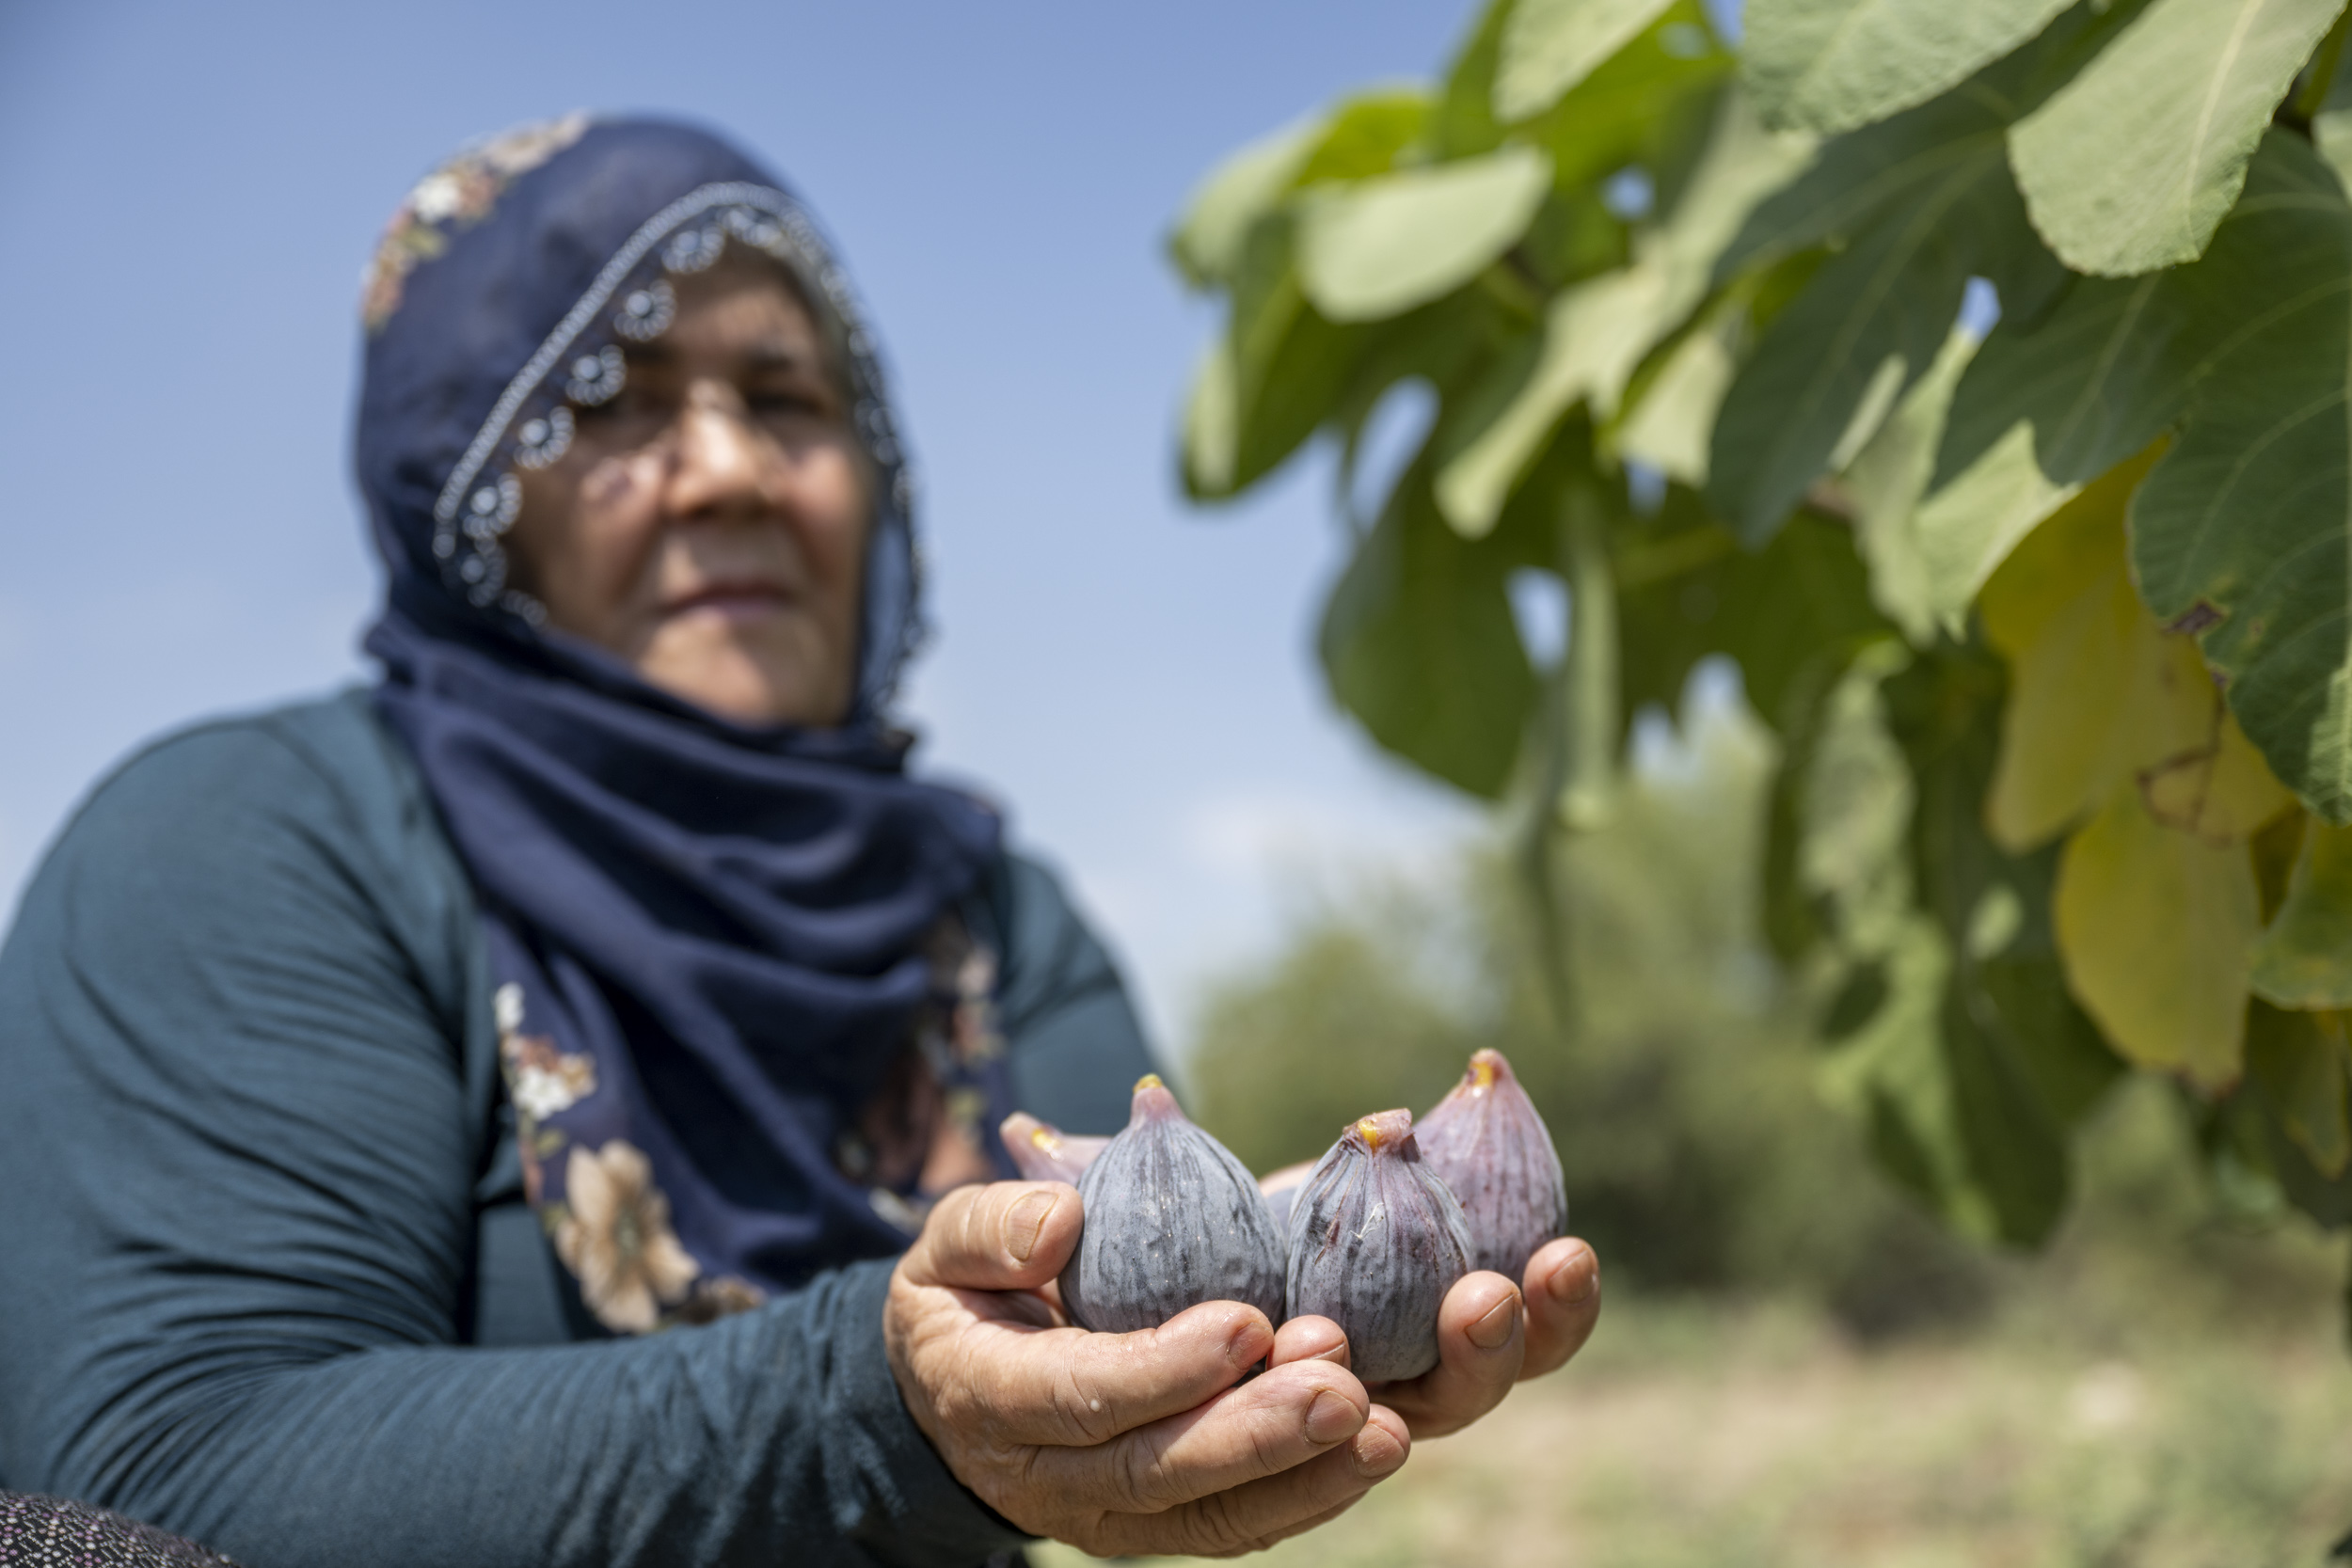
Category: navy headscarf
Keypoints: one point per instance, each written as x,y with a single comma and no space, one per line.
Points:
714,946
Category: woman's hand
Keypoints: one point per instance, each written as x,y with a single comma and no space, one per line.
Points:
1490,1336
1124,1444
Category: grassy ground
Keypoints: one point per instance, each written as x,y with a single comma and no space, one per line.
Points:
2113,1410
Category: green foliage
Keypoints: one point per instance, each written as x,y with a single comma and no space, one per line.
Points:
1548,46
1833,65
2132,165
1420,644
2305,959
1376,247
2050,625
1699,1153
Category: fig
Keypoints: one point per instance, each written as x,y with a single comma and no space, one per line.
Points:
1042,1152
1172,1220
1486,1139
1376,1240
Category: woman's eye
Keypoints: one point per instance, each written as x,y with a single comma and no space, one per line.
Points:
790,399
627,406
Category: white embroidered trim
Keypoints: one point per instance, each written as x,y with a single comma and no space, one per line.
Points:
650,234
758,215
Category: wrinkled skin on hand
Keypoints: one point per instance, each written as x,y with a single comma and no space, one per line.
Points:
1492,1333
1149,1444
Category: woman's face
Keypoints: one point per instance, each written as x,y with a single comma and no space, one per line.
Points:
707,523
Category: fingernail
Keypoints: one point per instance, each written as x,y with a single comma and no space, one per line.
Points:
1572,1283
1376,1453
1024,1221
1493,1331
1331,1418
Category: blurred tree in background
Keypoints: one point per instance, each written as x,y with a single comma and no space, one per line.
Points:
1699,1151
1972,376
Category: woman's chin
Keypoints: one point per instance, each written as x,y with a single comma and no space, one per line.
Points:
751,683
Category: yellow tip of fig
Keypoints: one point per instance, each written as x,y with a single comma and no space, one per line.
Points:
1482,1074
1370,1132
1044,1141
1149,1081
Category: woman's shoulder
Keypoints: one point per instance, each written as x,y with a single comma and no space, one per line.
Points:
325,758
292,756
290,794
1037,928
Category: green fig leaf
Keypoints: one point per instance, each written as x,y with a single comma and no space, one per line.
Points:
1886,479
2244,528
2131,166
2305,959
2255,478
1208,240
1921,202
1283,369
1548,46
2299,1063
1379,246
1419,644
1833,65
1686,589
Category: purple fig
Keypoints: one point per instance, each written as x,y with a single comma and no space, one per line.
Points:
1172,1220
1492,1148
1376,1243
1042,1152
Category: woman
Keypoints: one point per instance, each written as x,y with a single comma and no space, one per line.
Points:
473,1120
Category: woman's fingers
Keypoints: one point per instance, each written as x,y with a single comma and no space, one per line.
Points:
1260,1512
1267,1425
1065,1387
1490,1334
1308,1339
1002,1236
1481,1340
1563,1304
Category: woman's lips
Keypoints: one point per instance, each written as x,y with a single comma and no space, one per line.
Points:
733,601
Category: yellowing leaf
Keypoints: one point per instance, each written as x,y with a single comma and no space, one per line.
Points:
2157,931
2299,1062
2220,789
2305,959
2095,690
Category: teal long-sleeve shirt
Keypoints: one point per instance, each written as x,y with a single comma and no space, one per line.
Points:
267,1278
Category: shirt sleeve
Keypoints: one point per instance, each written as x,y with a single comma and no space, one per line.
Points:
237,1158
1076,1044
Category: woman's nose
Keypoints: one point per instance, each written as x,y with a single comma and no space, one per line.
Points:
722,467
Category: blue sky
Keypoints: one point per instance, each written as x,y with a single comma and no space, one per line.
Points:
193,190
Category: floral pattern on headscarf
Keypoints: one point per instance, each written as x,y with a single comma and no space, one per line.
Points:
611,1222
615,1236
460,192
